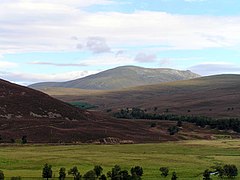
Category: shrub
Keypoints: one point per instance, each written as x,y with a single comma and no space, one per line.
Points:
24,139
1,175
90,175
206,175
230,170
103,177
47,171
153,124
137,170
75,173
62,173
98,170
174,176
172,130
164,171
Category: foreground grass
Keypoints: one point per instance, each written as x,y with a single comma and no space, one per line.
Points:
188,158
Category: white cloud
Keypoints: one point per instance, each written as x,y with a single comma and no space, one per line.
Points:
211,68
143,57
29,78
97,45
109,60
28,26
57,64
7,65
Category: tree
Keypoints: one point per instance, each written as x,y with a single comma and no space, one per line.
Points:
164,171
153,124
75,173
1,175
123,175
98,170
137,170
179,123
24,139
206,175
62,173
230,170
115,173
219,170
90,175
103,177
47,171
172,130
174,176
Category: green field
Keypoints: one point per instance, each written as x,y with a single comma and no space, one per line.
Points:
188,158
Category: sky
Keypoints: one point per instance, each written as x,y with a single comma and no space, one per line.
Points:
60,40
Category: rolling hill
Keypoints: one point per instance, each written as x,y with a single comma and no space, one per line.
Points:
43,119
215,96
122,77
21,102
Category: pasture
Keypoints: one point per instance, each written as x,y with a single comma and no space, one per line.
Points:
188,158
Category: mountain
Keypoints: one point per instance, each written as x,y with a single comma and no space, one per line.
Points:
122,77
215,96
21,102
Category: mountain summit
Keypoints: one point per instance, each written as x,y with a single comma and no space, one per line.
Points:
122,77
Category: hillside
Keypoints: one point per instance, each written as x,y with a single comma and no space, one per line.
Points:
21,102
215,96
122,77
41,118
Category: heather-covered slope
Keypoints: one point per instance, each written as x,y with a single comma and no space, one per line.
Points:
22,102
215,96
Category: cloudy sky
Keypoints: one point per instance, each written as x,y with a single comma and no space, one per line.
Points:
58,40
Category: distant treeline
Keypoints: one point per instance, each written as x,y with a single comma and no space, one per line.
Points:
202,121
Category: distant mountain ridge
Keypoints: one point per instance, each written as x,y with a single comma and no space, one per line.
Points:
122,77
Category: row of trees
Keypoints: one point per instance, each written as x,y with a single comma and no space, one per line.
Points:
23,140
96,173
227,171
202,121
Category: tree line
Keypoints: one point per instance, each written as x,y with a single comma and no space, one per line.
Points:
117,173
202,121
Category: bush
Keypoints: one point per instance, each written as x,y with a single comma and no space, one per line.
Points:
76,174
153,124
1,175
206,175
98,170
164,171
230,170
174,176
173,130
24,139
179,123
62,173
47,171
137,170
103,177
90,175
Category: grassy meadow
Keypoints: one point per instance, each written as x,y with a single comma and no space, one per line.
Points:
188,158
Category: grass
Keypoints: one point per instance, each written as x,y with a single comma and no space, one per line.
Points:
188,158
